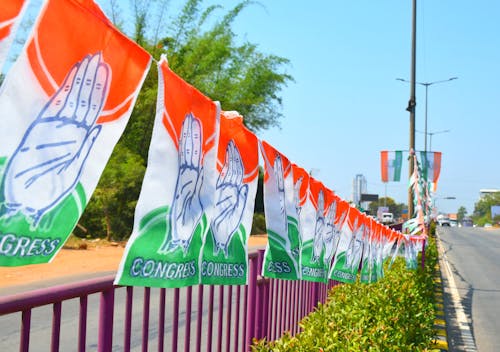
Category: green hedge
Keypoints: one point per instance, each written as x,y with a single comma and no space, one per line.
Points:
394,314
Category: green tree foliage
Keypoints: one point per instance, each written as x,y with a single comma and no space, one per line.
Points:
110,214
394,208
201,48
482,209
461,213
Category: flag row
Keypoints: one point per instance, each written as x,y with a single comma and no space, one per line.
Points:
392,161
65,104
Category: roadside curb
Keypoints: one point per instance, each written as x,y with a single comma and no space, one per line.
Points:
440,341
457,315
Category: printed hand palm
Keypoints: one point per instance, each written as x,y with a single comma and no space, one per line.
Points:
280,184
186,210
354,251
231,196
320,225
48,162
296,195
329,233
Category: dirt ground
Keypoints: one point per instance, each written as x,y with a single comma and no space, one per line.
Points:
73,263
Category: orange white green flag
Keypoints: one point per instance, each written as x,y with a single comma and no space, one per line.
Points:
173,213
225,253
380,242
390,165
369,248
339,208
431,165
411,249
350,249
390,238
317,212
10,16
282,255
63,107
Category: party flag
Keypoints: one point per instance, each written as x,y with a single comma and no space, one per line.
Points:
369,247
282,255
225,252
172,215
63,106
390,163
333,232
380,240
319,211
411,251
431,165
350,248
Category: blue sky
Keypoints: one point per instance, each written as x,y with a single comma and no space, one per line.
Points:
346,104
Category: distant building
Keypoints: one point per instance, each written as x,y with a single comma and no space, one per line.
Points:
488,191
359,187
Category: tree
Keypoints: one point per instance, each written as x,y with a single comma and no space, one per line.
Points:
395,208
206,55
482,209
202,49
110,212
461,213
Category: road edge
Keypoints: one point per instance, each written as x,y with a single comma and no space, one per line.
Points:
449,285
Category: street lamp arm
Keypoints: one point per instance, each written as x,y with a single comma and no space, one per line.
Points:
438,132
426,84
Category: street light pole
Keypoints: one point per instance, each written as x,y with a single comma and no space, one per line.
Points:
427,85
412,102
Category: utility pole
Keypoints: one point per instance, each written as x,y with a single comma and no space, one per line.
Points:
412,102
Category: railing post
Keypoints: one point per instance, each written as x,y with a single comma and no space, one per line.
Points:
250,313
105,340
260,298
128,319
145,318
56,326
24,344
82,325
175,320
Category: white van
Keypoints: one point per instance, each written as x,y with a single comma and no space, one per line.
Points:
387,218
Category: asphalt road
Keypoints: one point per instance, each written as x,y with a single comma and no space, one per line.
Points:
474,258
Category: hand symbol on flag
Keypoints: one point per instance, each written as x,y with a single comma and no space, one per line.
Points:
296,196
48,162
280,183
186,210
353,253
231,198
330,232
332,242
318,231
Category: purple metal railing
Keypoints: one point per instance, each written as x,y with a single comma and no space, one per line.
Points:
265,308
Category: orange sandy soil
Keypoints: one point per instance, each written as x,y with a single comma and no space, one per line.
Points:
75,262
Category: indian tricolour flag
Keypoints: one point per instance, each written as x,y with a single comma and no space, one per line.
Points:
390,162
431,165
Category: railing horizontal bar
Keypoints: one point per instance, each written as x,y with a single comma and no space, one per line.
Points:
41,297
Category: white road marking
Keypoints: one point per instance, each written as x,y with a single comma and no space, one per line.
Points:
462,320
